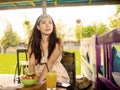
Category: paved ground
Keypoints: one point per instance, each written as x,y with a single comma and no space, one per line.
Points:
7,81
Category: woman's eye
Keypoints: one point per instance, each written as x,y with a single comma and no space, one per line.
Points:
42,22
46,22
50,22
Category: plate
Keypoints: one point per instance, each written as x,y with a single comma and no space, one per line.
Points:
63,85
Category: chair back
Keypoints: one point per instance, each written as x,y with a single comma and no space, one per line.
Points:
68,61
22,59
22,51
22,62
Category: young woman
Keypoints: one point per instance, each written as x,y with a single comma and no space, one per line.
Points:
45,49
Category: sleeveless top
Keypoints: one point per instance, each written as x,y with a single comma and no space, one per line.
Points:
62,75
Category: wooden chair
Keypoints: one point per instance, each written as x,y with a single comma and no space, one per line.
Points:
21,64
68,61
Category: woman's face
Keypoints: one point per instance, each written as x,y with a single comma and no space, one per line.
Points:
45,26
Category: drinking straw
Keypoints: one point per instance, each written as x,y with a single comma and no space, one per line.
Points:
46,66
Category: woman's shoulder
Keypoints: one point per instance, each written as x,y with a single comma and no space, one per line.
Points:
59,45
60,41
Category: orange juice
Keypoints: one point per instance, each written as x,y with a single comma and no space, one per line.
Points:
51,79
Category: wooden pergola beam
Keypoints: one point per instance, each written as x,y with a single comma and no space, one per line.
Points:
6,1
44,5
33,4
90,1
14,4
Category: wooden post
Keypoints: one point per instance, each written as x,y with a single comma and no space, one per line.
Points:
44,5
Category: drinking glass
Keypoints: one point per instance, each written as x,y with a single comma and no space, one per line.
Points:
51,78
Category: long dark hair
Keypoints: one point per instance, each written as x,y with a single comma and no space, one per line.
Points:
35,40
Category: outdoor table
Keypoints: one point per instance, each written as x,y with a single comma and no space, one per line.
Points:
38,86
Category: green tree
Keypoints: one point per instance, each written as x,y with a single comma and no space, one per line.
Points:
88,31
10,38
27,26
115,20
101,28
117,9
60,28
78,30
78,33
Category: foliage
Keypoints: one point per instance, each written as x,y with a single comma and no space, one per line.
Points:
101,28
10,38
88,31
78,32
117,9
27,25
115,20
60,29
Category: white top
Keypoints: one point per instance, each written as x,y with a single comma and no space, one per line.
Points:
62,75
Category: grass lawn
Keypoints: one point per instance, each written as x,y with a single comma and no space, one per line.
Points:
8,62
78,61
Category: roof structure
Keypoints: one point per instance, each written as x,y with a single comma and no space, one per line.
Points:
22,4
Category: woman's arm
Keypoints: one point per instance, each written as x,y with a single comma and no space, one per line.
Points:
53,58
31,61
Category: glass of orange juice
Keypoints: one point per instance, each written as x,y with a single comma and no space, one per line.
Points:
51,78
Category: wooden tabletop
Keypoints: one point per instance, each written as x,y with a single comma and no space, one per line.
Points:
38,86
35,87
